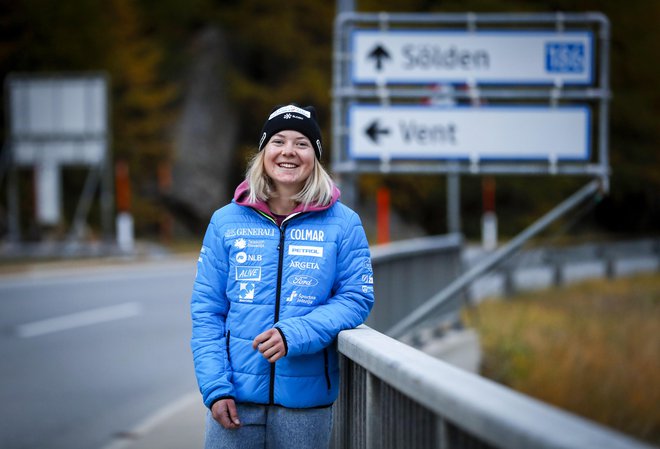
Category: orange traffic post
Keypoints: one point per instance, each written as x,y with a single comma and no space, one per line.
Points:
383,215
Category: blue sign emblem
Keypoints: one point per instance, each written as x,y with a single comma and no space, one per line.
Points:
564,57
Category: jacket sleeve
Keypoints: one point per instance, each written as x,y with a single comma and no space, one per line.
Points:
209,307
349,305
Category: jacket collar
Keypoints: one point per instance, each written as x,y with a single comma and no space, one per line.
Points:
241,198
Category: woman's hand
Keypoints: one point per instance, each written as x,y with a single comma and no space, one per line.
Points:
270,344
224,411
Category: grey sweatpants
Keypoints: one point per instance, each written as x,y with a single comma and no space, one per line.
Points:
272,427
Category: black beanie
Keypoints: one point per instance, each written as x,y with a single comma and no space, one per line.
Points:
292,117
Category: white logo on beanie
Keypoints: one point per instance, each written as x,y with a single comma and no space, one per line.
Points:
290,108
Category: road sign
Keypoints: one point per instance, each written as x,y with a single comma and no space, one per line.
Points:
475,133
486,57
58,119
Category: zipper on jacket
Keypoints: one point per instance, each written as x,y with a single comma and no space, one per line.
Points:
278,291
278,294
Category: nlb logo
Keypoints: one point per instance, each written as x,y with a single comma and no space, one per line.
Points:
241,257
313,251
303,281
248,273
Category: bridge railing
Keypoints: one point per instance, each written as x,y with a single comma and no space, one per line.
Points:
394,396
408,273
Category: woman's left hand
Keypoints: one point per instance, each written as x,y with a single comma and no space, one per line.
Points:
270,344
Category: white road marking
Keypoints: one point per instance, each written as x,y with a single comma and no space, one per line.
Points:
153,421
80,319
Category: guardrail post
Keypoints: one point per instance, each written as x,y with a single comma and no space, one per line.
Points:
509,282
374,413
442,432
557,273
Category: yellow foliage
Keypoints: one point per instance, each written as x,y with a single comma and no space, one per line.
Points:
591,348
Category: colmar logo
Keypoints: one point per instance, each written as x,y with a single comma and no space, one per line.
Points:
307,234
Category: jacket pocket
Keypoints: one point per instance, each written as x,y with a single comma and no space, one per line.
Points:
326,368
227,345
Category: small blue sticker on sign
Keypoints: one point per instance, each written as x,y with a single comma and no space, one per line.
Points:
564,57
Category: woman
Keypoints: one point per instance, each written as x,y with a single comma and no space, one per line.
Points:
283,268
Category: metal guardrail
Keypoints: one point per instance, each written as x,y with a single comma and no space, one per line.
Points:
545,267
394,396
407,273
448,298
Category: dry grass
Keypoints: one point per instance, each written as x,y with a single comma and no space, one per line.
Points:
592,348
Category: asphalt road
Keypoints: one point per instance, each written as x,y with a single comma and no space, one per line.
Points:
87,352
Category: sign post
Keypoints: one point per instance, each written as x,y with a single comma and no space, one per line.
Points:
56,122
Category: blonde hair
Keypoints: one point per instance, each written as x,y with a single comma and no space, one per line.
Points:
317,190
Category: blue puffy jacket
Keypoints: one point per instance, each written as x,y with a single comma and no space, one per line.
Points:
311,277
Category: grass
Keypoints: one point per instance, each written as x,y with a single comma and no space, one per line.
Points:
592,348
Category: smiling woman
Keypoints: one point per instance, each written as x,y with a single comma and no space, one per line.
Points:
268,303
288,161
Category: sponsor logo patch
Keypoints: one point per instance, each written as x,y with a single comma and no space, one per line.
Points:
246,292
303,280
298,298
304,265
248,273
241,257
313,251
307,234
250,232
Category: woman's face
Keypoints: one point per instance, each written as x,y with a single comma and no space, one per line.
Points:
289,159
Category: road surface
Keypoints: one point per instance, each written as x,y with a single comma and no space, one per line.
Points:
88,352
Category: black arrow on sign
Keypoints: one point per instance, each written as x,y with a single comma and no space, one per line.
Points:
379,53
374,131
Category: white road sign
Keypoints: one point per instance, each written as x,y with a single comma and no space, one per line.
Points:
474,133
485,57
59,119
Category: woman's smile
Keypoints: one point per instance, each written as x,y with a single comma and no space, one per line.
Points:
289,160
